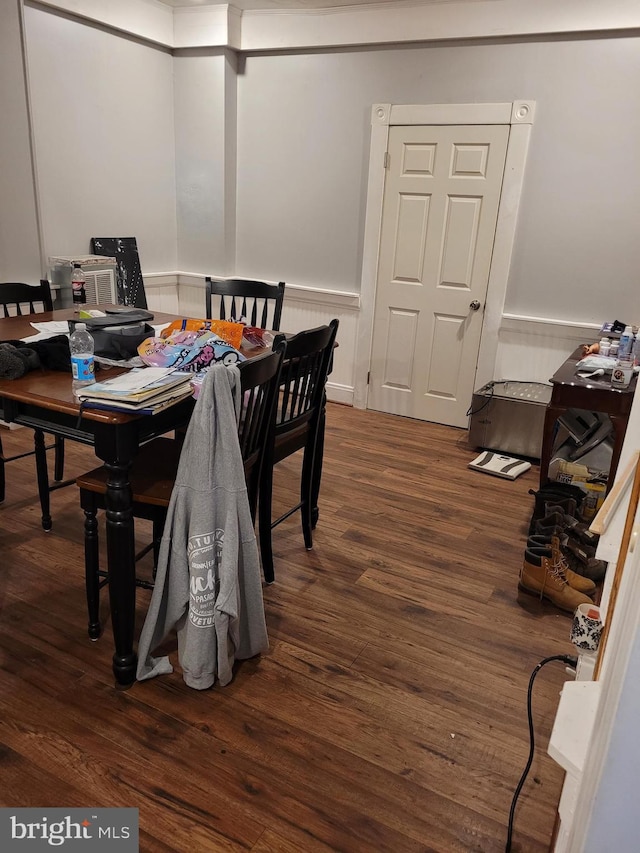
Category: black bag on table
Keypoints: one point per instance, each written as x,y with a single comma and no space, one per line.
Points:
118,335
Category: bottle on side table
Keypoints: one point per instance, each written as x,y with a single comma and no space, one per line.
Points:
626,344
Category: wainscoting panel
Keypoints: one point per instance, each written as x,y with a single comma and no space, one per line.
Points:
303,309
529,348
532,349
162,298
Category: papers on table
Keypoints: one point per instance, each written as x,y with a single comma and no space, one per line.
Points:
48,330
135,381
53,327
148,407
147,390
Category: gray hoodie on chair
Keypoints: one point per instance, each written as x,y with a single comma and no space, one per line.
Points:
208,583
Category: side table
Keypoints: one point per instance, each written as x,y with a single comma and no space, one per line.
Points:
570,391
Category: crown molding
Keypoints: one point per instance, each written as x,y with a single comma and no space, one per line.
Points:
223,25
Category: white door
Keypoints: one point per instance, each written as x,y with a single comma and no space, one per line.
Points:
440,207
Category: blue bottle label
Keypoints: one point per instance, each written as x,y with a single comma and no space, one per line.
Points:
82,368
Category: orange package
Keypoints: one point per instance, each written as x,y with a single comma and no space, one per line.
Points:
231,333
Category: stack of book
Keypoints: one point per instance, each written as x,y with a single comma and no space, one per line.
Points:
143,391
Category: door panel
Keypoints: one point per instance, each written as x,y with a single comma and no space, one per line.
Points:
440,208
402,331
413,219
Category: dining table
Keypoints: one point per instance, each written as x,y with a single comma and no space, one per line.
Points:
44,399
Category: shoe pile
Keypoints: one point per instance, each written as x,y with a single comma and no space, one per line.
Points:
559,561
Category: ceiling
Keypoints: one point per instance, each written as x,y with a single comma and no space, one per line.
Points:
245,5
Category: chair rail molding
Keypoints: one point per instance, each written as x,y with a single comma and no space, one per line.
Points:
527,348
304,308
520,116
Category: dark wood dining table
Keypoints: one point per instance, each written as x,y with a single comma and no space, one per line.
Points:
44,399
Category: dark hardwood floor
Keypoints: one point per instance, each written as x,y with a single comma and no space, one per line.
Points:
389,714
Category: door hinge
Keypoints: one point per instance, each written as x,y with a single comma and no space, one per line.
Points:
368,377
387,160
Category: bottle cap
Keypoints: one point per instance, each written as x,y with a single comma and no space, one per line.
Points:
81,327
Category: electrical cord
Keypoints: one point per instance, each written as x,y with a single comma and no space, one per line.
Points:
488,397
570,661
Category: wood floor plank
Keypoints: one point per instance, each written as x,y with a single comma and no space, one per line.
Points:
389,713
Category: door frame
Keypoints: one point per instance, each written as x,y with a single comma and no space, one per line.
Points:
520,116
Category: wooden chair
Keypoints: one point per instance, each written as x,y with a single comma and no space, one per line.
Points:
13,299
154,471
298,424
239,297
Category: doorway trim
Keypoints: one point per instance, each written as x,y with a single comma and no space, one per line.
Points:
518,114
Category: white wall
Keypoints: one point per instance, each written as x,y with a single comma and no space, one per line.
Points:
303,130
162,165
19,235
103,122
613,819
205,132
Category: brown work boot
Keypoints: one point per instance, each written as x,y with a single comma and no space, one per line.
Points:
565,505
542,575
550,546
585,556
579,530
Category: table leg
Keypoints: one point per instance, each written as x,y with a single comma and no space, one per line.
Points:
548,435
619,429
121,557
42,473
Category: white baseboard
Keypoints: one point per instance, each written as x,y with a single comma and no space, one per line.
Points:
339,393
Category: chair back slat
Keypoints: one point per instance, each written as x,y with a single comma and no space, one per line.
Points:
14,295
237,298
303,377
298,425
259,380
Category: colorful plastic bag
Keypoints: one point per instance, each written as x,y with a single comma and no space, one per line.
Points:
231,333
188,350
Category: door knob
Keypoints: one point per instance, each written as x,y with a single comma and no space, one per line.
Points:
474,305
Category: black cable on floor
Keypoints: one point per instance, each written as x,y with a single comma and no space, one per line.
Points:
570,661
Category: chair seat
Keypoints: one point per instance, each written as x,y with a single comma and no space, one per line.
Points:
290,442
152,475
154,471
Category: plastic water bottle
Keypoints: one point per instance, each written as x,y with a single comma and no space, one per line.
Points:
635,352
82,363
626,343
78,281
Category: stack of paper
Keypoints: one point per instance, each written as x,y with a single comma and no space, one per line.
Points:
144,390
